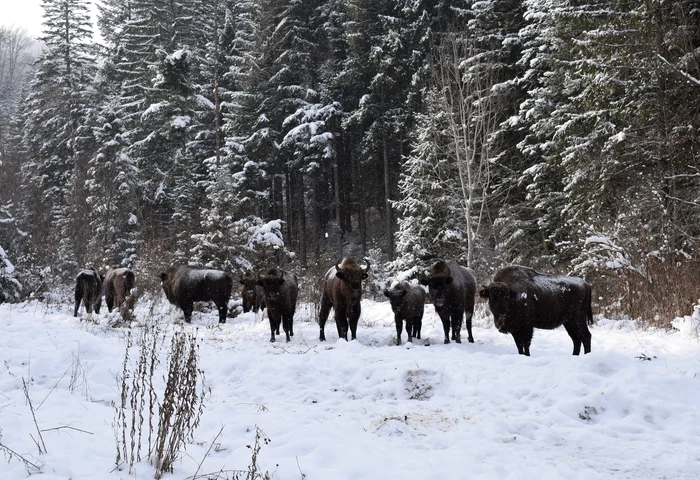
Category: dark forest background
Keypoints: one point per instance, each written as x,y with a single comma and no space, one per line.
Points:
558,134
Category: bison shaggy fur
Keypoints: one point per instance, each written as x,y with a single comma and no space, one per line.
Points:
280,292
118,284
452,289
522,299
407,303
88,289
342,290
183,285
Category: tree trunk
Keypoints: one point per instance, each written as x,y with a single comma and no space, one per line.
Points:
387,196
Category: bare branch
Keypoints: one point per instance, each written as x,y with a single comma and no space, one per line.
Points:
685,74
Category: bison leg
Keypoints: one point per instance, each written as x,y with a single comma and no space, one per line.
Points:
446,327
399,328
586,338
287,324
341,323
323,315
523,338
353,325
109,300
417,325
78,299
222,308
468,320
457,326
98,304
187,309
574,334
273,326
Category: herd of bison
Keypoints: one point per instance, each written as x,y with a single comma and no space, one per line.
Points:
519,298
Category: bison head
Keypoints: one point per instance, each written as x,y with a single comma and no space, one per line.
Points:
501,299
166,279
437,287
352,275
272,283
249,280
396,297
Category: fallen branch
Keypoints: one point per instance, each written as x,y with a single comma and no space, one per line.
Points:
207,452
31,408
67,426
13,453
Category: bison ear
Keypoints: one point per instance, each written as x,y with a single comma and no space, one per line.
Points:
513,294
386,292
423,281
365,275
484,292
340,275
403,293
241,281
163,276
260,282
448,280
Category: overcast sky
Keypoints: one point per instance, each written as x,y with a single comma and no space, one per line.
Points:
24,13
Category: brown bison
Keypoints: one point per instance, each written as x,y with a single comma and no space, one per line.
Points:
185,285
522,299
251,292
342,290
118,284
407,303
88,289
452,289
280,292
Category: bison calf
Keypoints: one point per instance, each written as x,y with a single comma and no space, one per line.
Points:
522,299
118,284
88,289
185,285
452,289
342,290
407,303
251,292
280,292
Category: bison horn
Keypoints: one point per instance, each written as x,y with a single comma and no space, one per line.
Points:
337,265
366,270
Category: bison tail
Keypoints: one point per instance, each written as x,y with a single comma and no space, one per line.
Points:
589,312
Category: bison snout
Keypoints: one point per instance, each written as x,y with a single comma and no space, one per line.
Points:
500,322
439,302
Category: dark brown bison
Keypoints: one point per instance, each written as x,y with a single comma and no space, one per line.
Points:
407,303
452,289
280,292
342,290
88,289
118,284
185,285
251,292
522,299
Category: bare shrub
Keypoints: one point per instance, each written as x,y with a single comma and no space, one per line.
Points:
152,425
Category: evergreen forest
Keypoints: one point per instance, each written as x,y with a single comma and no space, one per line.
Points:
238,134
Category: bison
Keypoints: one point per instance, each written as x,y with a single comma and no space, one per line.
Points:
342,290
183,285
280,292
88,289
407,303
452,289
251,292
522,299
118,284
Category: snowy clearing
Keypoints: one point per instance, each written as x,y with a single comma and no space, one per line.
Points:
366,409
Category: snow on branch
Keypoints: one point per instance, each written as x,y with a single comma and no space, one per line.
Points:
685,74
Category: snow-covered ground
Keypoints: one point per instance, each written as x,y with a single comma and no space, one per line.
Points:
366,409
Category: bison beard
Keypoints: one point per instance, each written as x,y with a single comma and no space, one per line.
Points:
185,285
452,289
342,290
522,299
407,303
118,284
88,289
280,291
